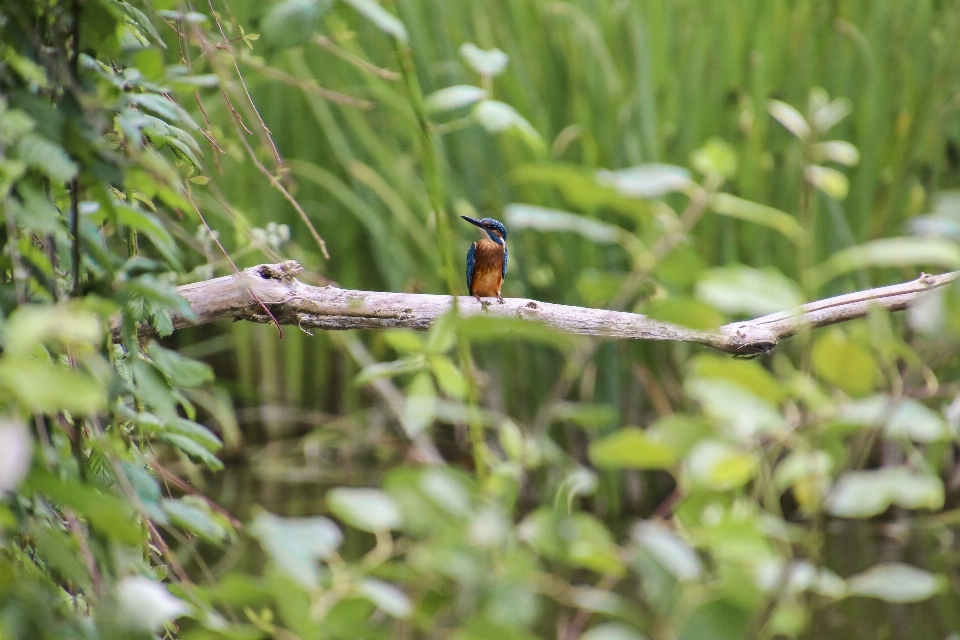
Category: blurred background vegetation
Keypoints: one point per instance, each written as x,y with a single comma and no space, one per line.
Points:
697,161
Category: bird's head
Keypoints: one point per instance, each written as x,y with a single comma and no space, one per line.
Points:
494,228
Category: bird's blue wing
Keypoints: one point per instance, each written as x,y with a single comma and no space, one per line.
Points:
504,274
471,261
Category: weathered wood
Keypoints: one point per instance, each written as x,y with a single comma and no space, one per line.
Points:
292,302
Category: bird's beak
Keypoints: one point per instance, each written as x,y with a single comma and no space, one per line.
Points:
473,221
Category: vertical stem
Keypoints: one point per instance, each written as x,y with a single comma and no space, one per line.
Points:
75,184
431,167
807,219
75,232
133,248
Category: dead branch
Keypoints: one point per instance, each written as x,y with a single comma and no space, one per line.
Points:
292,302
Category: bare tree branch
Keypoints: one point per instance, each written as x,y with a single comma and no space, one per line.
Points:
292,302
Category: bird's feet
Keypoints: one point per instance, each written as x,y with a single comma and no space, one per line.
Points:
500,299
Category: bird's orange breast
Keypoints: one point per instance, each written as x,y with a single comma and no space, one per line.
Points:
488,269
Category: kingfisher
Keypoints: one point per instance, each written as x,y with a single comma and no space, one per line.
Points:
487,259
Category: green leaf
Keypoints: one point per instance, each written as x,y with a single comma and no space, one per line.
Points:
141,20
16,453
598,288
488,63
716,157
585,414
895,582
827,114
668,548
580,188
487,328
838,151
377,370
899,417
292,22
745,290
153,390
647,180
182,143
455,97
611,631
296,544
790,118
196,432
192,448
497,117
630,448
578,540
798,577
162,106
864,494
404,340
747,374
194,515
365,509
680,432
481,628
108,514
48,157
179,370
147,488
37,212
32,325
720,619
419,406
388,598
729,205
49,388
148,224
31,72
742,414
890,252
844,363
685,312
830,181
381,18
719,466
448,376
528,216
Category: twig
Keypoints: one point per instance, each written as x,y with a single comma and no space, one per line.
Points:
356,61
308,85
292,302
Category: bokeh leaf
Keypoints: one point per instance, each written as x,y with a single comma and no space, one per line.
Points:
364,509
630,448
864,494
729,205
745,290
790,118
647,180
296,544
486,62
844,363
890,252
895,582
383,19
829,180
292,22
455,97
388,598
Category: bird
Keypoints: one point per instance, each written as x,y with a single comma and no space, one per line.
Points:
487,260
